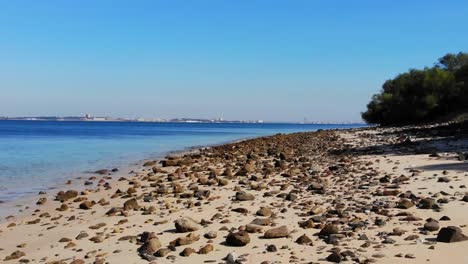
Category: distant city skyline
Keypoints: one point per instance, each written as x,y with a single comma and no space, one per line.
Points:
287,61
89,117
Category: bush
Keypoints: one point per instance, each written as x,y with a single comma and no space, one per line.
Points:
422,95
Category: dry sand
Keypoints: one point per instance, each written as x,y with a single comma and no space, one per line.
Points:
350,179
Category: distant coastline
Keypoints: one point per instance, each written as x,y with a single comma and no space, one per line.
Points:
88,118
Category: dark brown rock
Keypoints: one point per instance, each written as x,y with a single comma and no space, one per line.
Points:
238,239
451,234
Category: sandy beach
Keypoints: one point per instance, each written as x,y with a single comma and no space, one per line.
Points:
371,195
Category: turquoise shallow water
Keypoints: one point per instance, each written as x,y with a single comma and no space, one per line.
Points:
36,155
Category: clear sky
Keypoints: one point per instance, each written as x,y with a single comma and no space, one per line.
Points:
240,59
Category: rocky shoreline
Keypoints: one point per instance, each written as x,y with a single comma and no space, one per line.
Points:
369,195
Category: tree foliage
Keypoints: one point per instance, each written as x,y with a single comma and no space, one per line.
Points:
422,95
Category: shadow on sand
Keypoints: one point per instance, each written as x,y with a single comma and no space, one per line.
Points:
414,140
462,166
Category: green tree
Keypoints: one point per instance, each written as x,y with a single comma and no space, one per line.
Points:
422,95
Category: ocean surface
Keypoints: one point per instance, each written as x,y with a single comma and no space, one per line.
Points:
38,155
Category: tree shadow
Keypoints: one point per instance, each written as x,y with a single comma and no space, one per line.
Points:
462,166
429,139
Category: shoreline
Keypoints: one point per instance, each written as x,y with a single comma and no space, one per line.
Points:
25,205
317,194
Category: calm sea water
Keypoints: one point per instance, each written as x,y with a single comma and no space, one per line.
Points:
36,155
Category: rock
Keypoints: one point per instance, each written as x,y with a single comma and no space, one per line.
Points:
251,228
292,197
162,252
102,172
149,247
86,205
186,224
264,211
131,204
451,234
97,239
463,156
99,261
206,249
70,245
411,237
211,235
169,163
78,261
465,199
182,241
431,226
15,255
63,207
41,201
248,168
261,222
64,196
390,192
231,258
187,252
64,239
271,248
243,196
335,257
444,218
405,204
303,240
443,179
426,203
149,163
81,235
389,240
278,232
238,239
329,229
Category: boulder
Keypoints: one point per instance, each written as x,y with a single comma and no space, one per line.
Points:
451,234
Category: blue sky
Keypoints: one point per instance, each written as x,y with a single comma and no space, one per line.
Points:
241,59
